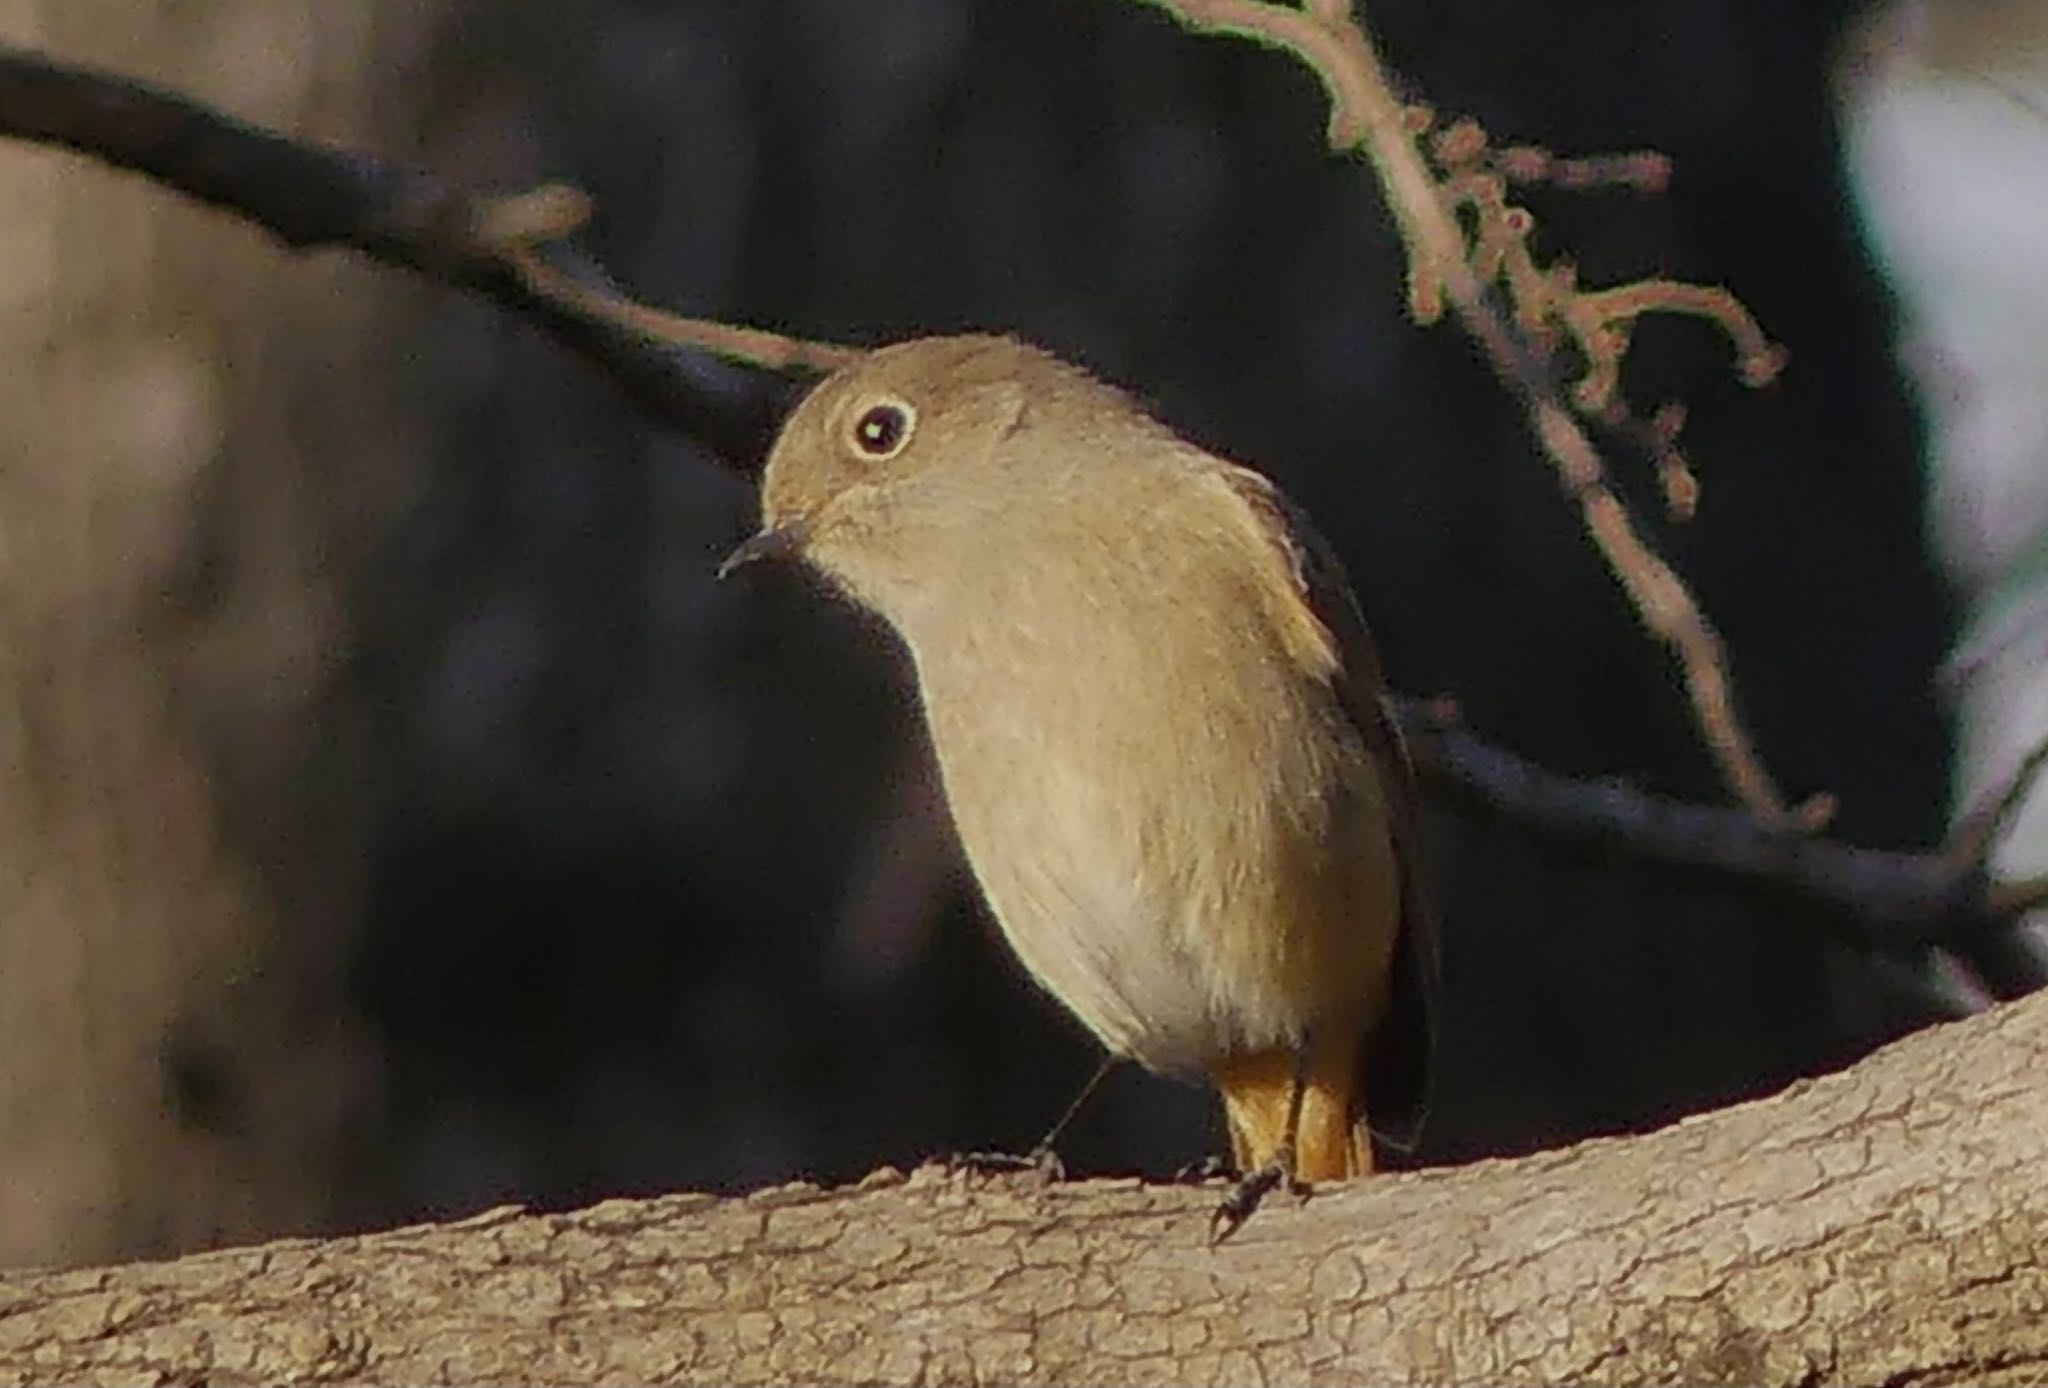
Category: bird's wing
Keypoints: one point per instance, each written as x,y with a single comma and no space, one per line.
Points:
1397,1062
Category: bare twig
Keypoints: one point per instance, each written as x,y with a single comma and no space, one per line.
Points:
758,347
506,247
1365,114
1875,898
1976,834
1870,898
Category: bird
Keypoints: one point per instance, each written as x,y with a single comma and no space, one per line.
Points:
1159,725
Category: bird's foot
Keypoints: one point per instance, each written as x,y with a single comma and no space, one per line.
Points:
1209,1168
1243,1201
1042,1159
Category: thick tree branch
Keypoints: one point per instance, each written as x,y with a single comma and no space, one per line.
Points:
1883,1225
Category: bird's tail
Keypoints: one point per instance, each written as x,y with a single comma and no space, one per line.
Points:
1331,1142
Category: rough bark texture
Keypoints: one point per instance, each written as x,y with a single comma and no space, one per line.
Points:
1884,1225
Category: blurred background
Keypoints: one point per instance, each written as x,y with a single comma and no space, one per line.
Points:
398,820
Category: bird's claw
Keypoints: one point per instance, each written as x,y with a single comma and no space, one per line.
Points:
1243,1201
1042,1160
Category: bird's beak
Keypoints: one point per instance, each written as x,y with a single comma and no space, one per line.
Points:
779,542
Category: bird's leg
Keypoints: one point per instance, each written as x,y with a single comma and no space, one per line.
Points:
1042,1157
1254,1186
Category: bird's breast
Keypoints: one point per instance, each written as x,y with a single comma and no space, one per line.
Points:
1179,832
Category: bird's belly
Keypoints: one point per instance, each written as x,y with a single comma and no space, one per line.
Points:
1084,916
1159,888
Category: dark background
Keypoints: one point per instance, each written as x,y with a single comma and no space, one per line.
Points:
654,906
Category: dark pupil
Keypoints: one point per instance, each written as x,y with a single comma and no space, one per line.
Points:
881,428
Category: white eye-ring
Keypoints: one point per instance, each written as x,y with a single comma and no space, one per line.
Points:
883,428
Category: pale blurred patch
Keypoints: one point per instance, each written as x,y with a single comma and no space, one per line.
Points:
1946,133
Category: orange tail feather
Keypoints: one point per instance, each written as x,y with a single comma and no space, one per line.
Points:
1331,1144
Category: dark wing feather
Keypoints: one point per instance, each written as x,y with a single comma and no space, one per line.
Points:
1400,1051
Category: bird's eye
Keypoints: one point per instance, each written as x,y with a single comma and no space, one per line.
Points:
882,430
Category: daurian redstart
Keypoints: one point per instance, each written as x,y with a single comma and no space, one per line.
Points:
1158,720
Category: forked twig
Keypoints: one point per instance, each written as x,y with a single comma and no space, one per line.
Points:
509,247
1448,269
1976,834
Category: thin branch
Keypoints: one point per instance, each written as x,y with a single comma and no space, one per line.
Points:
1868,897
1976,835
505,247
1365,114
